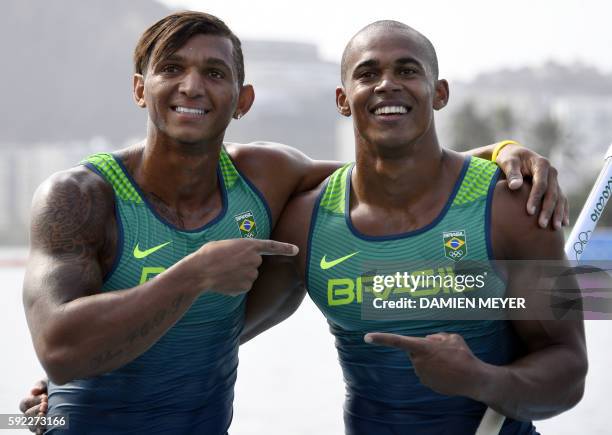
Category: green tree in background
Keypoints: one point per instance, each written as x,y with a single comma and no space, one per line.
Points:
547,135
470,128
504,122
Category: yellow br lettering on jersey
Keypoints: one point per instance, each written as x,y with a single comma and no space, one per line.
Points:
419,283
148,273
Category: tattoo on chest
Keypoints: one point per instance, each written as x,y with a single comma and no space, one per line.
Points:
170,215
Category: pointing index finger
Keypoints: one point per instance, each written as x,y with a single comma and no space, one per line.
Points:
272,247
409,344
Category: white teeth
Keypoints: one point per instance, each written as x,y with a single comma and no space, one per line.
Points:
181,109
388,110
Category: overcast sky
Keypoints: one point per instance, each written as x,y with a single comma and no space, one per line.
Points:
470,35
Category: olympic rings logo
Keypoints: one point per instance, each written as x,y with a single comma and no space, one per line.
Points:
455,254
583,239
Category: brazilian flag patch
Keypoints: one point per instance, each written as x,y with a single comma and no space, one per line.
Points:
246,225
455,244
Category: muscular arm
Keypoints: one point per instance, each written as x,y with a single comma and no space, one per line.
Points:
280,288
484,152
277,293
298,170
78,331
550,378
298,173
279,171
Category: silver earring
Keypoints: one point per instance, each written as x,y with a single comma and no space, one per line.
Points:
238,115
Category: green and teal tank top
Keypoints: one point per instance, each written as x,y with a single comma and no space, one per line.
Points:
184,383
346,272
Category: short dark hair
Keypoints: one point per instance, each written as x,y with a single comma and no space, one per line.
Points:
170,33
391,24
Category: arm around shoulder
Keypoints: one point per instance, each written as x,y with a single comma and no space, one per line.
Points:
289,165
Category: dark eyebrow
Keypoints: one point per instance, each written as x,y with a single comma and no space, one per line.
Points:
366,64
217,61
407,60
211,61
369,63
173,57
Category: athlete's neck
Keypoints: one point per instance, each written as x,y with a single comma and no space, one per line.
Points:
401,189
183,176
398,177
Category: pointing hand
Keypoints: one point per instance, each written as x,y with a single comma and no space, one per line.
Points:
231,266
443,362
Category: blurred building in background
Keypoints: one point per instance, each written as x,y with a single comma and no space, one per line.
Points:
67,78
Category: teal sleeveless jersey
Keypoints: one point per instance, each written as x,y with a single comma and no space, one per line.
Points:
384,395
184,383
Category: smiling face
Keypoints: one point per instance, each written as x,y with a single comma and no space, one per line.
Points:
390,87
192,94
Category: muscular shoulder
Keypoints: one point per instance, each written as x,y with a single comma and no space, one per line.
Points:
70,203
275,169
71,237
268,154
258,159
515,234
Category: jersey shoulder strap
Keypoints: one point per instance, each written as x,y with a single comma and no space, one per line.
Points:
476,183
333,198
109,168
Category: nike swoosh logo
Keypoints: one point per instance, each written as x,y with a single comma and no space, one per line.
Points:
142,254
329,264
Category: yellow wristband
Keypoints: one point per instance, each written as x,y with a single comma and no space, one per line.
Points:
499,146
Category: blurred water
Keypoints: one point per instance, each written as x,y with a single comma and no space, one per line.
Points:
289,380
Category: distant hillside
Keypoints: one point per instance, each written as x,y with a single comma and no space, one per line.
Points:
550,78
67,78
67,68
573,99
